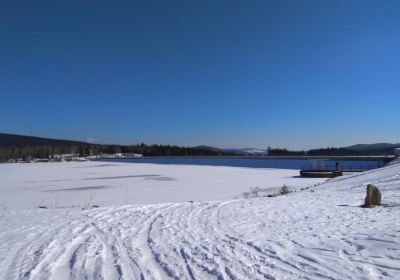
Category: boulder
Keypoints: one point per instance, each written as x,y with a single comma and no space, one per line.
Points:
373,197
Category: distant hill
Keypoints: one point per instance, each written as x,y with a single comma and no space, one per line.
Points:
237,151
19,146
13,140
14,146
377,146
375,149
252,151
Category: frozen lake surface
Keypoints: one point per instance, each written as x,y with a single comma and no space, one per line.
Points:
57,185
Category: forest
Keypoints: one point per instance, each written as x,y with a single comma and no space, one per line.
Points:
23,147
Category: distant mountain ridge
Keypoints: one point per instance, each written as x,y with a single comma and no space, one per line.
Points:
19,147
363,147
358,149
10,141
238,151
14,140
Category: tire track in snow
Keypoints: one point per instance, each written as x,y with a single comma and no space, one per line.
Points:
211,240
61,255
138,243
266,262
31,253
116,253
237,252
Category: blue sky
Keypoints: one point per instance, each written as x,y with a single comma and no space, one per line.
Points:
295,74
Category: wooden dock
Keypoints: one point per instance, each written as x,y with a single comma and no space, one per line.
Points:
321,173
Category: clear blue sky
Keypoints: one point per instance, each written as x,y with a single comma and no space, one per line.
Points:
295,74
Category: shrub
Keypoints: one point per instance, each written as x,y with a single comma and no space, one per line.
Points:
284,190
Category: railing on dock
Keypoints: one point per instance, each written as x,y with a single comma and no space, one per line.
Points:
346,168
322,166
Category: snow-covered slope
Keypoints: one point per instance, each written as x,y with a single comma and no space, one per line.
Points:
318,233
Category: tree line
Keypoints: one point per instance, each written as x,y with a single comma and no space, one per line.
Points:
330,151
50,151
86,149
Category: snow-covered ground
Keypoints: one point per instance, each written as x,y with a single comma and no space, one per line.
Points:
317,233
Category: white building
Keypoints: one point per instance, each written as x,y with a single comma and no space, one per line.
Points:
132,155
65,157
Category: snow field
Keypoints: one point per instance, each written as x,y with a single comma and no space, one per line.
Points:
318,233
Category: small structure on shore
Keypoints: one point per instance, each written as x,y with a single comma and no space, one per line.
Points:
397,152
65,157
118,156
322,173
